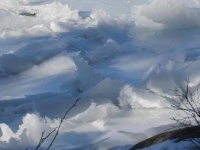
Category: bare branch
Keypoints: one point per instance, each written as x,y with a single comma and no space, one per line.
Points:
57,129
42,139
190,106
61,121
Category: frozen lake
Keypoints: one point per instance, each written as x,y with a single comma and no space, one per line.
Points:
120,57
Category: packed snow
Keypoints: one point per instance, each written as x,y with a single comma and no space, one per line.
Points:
121,57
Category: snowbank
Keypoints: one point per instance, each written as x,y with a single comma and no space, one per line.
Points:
169,13
135,99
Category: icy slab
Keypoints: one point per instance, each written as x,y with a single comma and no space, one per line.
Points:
120,57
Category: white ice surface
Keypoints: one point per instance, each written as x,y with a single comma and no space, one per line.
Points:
120,57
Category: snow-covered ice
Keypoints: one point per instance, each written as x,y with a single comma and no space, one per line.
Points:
121,57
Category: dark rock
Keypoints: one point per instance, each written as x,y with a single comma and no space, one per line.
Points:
177,135
28,14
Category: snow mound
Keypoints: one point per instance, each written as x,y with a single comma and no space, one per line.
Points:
104,90
45,14
192,72
102,112
87,77
28,133
60,64
168,13
161,82
57,12
134,98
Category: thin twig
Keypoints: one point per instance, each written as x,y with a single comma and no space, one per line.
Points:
42,138
61,121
